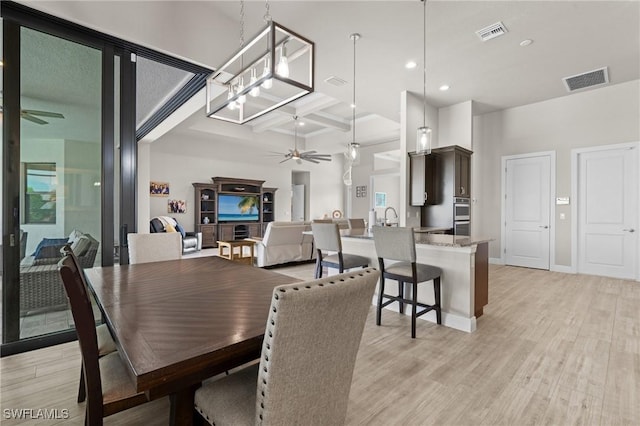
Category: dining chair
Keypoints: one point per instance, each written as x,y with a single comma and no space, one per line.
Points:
109,388
356,223
309,350
157,247
393,243
106,344
326,237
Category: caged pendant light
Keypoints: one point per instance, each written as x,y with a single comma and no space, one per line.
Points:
423,138
273,68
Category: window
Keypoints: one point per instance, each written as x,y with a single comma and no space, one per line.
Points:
40,192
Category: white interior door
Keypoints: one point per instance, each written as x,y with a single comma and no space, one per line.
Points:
297,203
608,212
527,211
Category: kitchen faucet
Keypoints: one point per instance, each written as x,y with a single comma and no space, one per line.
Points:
387,221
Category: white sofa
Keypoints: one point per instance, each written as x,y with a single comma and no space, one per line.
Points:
284,242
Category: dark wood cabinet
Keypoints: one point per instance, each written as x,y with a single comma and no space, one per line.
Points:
205,212
268,204
462,186
424,179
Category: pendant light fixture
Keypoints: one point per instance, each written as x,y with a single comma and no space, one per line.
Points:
423,139
353,151
277,66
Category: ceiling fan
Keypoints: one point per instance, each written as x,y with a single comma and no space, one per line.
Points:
32,115
294,154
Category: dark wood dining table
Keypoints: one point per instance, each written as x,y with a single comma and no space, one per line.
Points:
179,322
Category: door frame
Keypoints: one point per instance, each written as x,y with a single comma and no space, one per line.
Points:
552,203
575,153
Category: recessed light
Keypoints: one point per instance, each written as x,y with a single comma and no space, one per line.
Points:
526,42
353,105
410,65
444,87
301,123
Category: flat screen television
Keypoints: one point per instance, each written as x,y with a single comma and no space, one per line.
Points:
238,208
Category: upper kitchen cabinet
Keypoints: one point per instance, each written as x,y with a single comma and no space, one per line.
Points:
424,181
462,172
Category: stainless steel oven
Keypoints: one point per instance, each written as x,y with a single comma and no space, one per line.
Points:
462,227
461,209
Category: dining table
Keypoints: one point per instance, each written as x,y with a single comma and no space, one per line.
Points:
179,322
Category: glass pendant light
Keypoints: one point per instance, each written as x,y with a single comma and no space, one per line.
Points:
353,151
423,137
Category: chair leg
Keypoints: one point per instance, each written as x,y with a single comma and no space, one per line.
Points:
82,393
401,295
318,273
414,310
379,308
436,290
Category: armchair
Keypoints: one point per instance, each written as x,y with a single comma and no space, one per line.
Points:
191,241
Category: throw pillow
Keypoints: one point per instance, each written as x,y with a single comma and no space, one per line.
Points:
180,229
47,242
169,228
73,236
81,245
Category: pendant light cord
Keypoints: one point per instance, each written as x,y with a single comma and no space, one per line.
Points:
267,15
424,66
353,113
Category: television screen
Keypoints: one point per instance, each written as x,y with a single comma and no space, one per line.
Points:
238,208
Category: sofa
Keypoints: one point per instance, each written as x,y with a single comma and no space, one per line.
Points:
191,241
40,284
284,242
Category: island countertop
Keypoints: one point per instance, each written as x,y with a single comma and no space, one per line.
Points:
443,240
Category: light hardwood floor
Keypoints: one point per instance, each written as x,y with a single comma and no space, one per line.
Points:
551,349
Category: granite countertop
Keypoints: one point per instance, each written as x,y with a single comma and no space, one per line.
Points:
443,240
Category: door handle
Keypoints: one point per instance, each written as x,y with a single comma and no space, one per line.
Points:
426,196
544,227
629,230
462,190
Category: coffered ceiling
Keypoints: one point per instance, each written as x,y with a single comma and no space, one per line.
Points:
568,38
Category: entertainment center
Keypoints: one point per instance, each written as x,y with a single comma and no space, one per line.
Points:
232,209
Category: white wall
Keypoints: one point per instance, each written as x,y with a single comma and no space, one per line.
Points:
455,125
181,160
604,116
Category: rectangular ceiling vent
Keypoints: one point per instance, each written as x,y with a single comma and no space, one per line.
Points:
336,81
492,31
587,79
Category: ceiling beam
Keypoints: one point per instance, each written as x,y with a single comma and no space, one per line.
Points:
328,122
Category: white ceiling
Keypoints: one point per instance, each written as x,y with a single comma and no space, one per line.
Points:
569,37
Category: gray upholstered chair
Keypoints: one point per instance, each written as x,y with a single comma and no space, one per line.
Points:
398,244
326,237
308,355
106,345
356,223
144,248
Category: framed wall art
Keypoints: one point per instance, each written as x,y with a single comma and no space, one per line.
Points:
159,189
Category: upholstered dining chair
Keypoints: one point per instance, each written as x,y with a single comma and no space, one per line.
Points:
326,237
356,223
144,248
393,243
109,388
309,350
106,345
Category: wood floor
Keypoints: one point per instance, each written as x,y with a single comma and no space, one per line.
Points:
552,349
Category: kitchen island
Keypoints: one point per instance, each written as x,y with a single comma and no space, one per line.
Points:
464,282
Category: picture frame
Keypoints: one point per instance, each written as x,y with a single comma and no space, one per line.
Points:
380,199
159,189
176,206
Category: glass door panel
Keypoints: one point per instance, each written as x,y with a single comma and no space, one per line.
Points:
61,169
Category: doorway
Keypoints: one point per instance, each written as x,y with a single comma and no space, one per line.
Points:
605,234
299,196
526,214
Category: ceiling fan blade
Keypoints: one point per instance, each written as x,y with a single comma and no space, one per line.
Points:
286,159
323,157
33,119
308,152
311,160
43,113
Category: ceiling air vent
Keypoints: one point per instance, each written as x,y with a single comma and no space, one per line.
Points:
492,31
587,79
336,81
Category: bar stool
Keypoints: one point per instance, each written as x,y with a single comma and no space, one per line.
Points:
398,244
326,236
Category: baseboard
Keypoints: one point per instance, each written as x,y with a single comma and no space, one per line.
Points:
450,320
496,261
562,268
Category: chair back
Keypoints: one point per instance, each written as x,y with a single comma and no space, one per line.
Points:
356,223
156,247
395,243
309,349
82,312
326,236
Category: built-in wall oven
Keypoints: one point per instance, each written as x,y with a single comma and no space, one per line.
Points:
461,216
